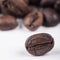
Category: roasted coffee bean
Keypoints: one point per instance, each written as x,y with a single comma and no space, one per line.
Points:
33,20
57,6
34,2
18,8
39,44
7,22
51,18
47,3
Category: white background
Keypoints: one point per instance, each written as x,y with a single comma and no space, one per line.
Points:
12,43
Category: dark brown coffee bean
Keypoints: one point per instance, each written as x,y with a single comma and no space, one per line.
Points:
39,44
7,22
17,8
57,6
33,20
51,18
47,3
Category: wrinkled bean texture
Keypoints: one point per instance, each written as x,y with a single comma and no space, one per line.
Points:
39,44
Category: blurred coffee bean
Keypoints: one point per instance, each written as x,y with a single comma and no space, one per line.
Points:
57,6
33,20
7,22
47,3
18,8
51,18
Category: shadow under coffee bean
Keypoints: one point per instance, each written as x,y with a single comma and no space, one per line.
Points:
39,44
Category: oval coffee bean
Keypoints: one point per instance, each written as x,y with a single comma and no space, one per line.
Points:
51,18
39,44
7,22
18,8
33,20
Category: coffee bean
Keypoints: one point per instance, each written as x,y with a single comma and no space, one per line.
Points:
7,22
33,20
18,8
57,6
47,3
51,18
39,44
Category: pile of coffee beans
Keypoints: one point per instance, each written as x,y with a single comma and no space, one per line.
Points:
34,13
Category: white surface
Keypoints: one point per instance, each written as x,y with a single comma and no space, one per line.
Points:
12,44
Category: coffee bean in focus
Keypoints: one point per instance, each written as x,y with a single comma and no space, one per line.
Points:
39,44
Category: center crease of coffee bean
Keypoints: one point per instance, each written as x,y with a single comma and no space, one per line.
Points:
35,16
43,44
